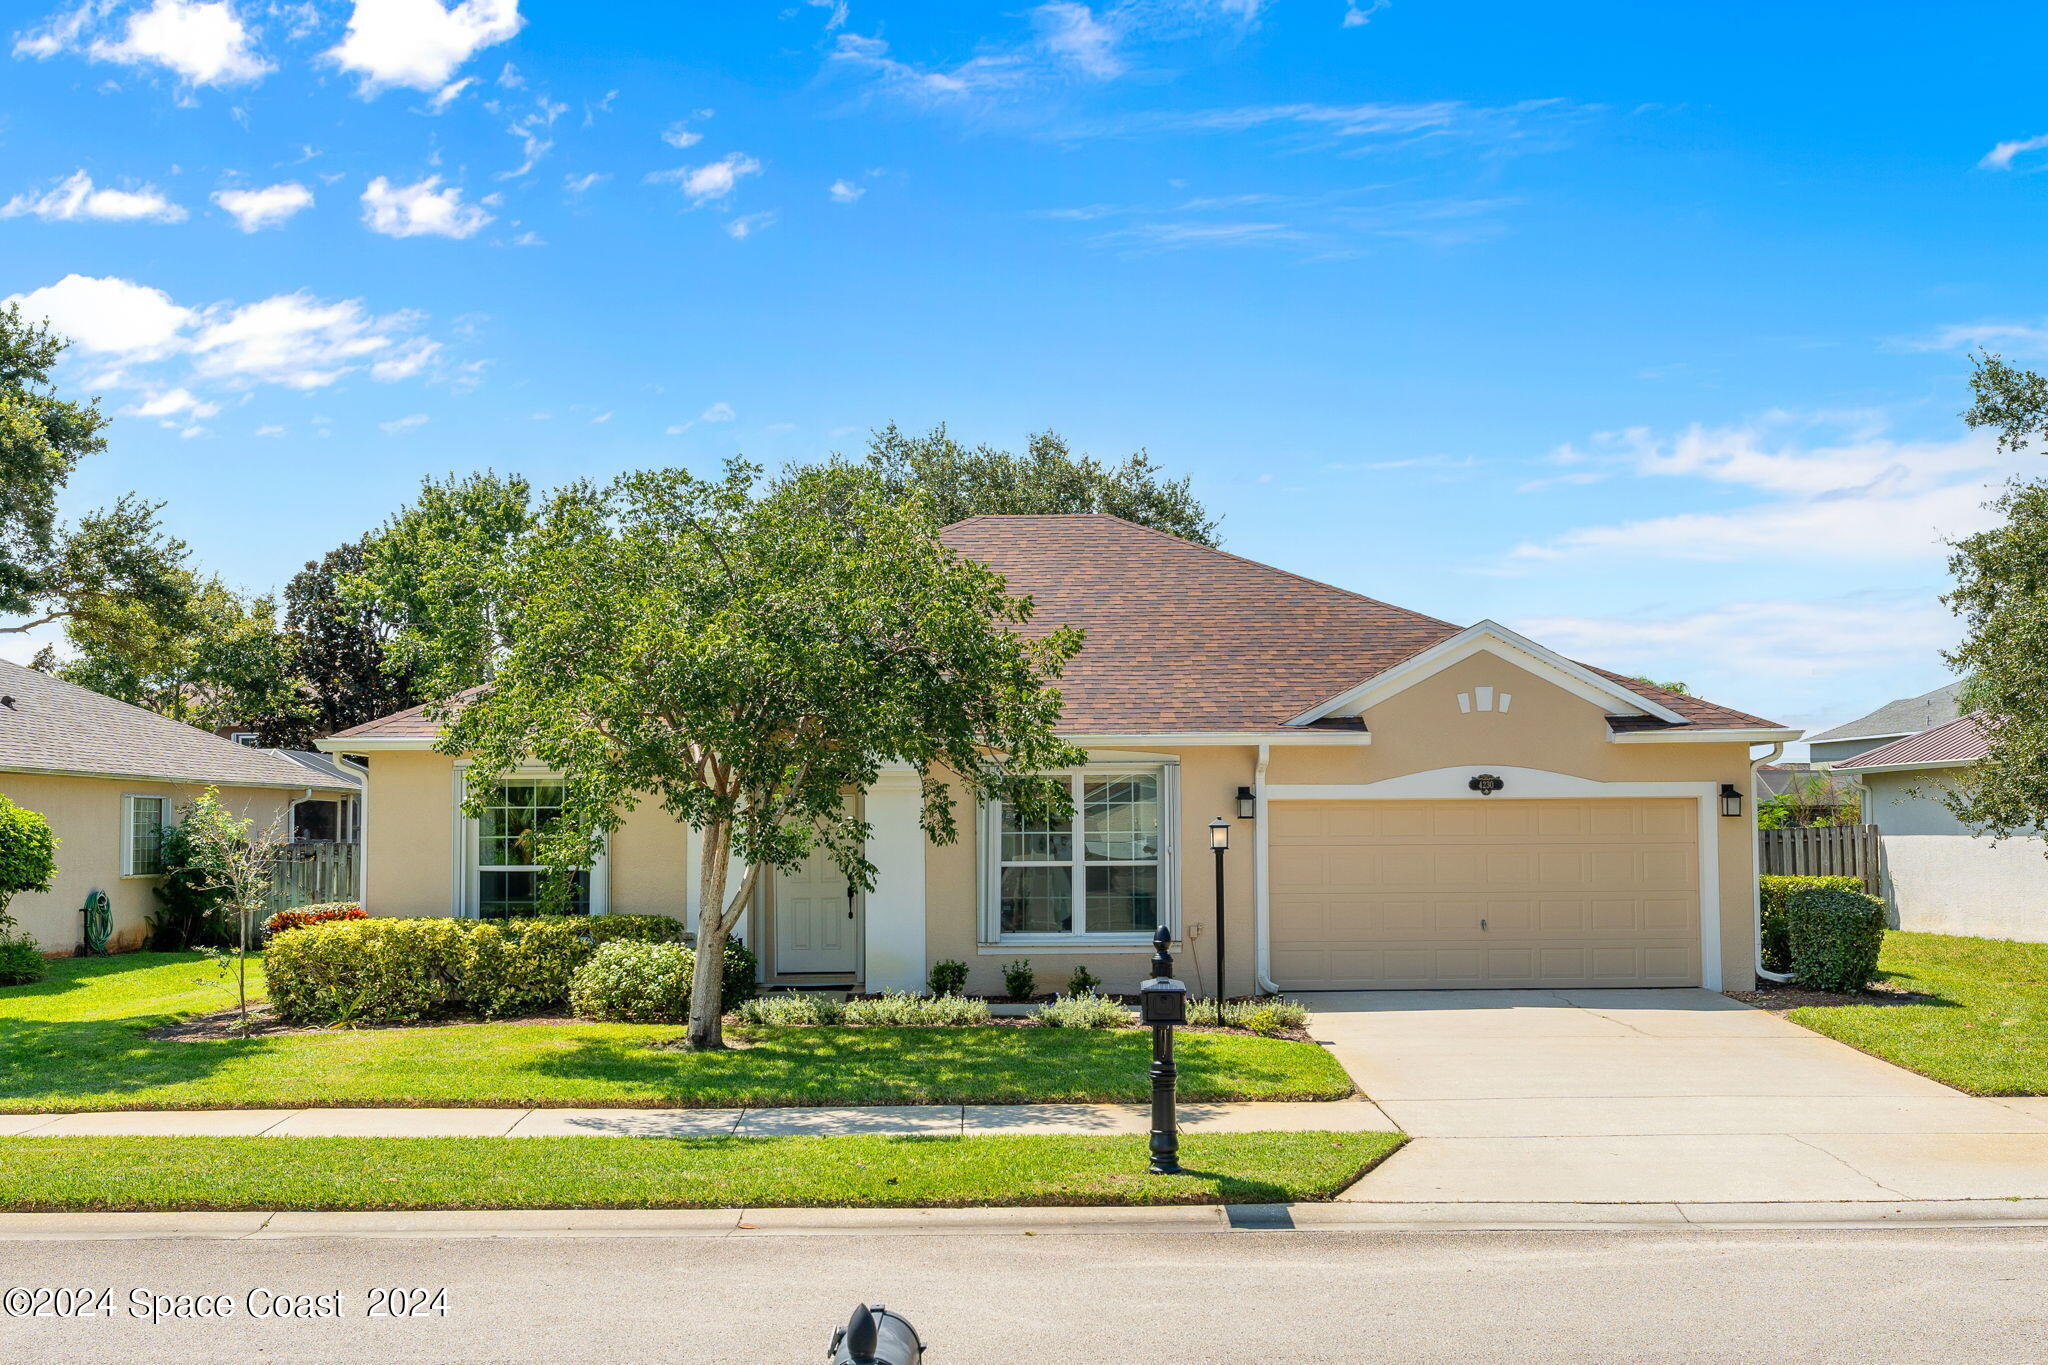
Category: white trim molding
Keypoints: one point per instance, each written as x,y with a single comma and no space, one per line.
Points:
1213,738
464,891
1771,736
1490,637
1536,784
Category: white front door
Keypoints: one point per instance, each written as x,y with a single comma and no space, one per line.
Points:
814,920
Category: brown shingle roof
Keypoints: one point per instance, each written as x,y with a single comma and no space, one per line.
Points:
1184,638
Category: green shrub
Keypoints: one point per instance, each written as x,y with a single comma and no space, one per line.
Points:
634,983
795,1009
1083,982
21,961
630,928
1019,981
948,977
523,966
1835,935
28,862
385,971
901,1009
1776,890
1267,1017
1083,1009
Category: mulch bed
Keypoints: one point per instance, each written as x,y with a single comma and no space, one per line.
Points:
1781,998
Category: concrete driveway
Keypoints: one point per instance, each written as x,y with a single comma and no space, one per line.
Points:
1659,1095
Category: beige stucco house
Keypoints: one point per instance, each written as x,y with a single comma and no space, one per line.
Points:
1411,804
109,777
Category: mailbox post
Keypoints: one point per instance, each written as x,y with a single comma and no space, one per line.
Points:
1163,1002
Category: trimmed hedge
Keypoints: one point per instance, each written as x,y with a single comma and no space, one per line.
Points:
1777,934
306,916
649,983
1835,935
399,971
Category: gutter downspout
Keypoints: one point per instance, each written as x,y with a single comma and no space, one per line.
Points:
1756,886
1262,943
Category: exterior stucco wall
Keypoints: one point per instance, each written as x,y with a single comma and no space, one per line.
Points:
409,850
85,815
1958,884
1837,750
1910,803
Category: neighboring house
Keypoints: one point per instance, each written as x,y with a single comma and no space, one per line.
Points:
1413,805
1938,876
1815,795
110,777
1893,720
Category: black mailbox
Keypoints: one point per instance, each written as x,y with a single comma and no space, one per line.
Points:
1162,1000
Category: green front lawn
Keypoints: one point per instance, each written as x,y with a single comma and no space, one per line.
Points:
1983,1029
118,1174
75,1041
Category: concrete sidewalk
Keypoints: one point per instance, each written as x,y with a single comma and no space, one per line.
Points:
938,1120
1635,1096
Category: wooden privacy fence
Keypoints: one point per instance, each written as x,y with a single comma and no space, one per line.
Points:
311,874
1832,851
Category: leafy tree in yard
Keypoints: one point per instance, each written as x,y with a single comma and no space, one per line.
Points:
218,662
960,482
431,572
116,561
2001,593
28,862
216,885
744,659
340,662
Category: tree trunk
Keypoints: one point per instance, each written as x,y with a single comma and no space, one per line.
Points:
707,1030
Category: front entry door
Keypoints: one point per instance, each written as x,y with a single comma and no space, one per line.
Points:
814,920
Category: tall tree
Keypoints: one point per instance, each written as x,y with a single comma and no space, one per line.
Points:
962,481
217,661
430,571
2001,593
111,563
744,660
340,658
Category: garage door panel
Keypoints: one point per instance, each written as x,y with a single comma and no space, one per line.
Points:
1393,894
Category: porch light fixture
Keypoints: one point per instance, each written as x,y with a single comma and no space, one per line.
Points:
1731,799
1247,803
1219,841
1219,834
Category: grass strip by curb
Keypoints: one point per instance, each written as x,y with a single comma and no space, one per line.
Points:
124,1174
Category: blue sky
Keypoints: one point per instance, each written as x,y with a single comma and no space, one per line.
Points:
1640,328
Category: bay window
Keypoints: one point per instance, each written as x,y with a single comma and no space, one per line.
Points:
1102,873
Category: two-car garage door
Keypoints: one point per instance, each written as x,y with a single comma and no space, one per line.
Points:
1487,892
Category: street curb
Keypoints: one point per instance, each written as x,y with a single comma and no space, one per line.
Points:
1328,1218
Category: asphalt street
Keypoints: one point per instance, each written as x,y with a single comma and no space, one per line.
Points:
1683,1295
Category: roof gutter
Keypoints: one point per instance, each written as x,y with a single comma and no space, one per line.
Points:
1903,767
1756,882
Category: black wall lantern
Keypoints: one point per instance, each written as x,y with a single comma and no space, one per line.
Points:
1486,784
1731,799
1247,803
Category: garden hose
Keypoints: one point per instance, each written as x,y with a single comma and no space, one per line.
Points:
99,923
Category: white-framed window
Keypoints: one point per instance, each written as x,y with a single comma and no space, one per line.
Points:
1106,874
247,738
143,820
503,877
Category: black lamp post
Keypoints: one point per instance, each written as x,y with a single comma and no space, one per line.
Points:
1219,840
1162,1003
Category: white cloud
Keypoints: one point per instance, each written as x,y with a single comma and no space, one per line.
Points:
836,17
845,191
405,361
746,225
1861,496
173,403
583,184
2023,338
601,419
1770,638
76,197
978,75
714,180
204,41
420,43
1073,35
109,315
1358,15
717,412
448,94
1999,158
299,341
255,210
682,135
420,210
268,431
402,424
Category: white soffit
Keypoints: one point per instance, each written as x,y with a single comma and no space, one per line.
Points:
1490,637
